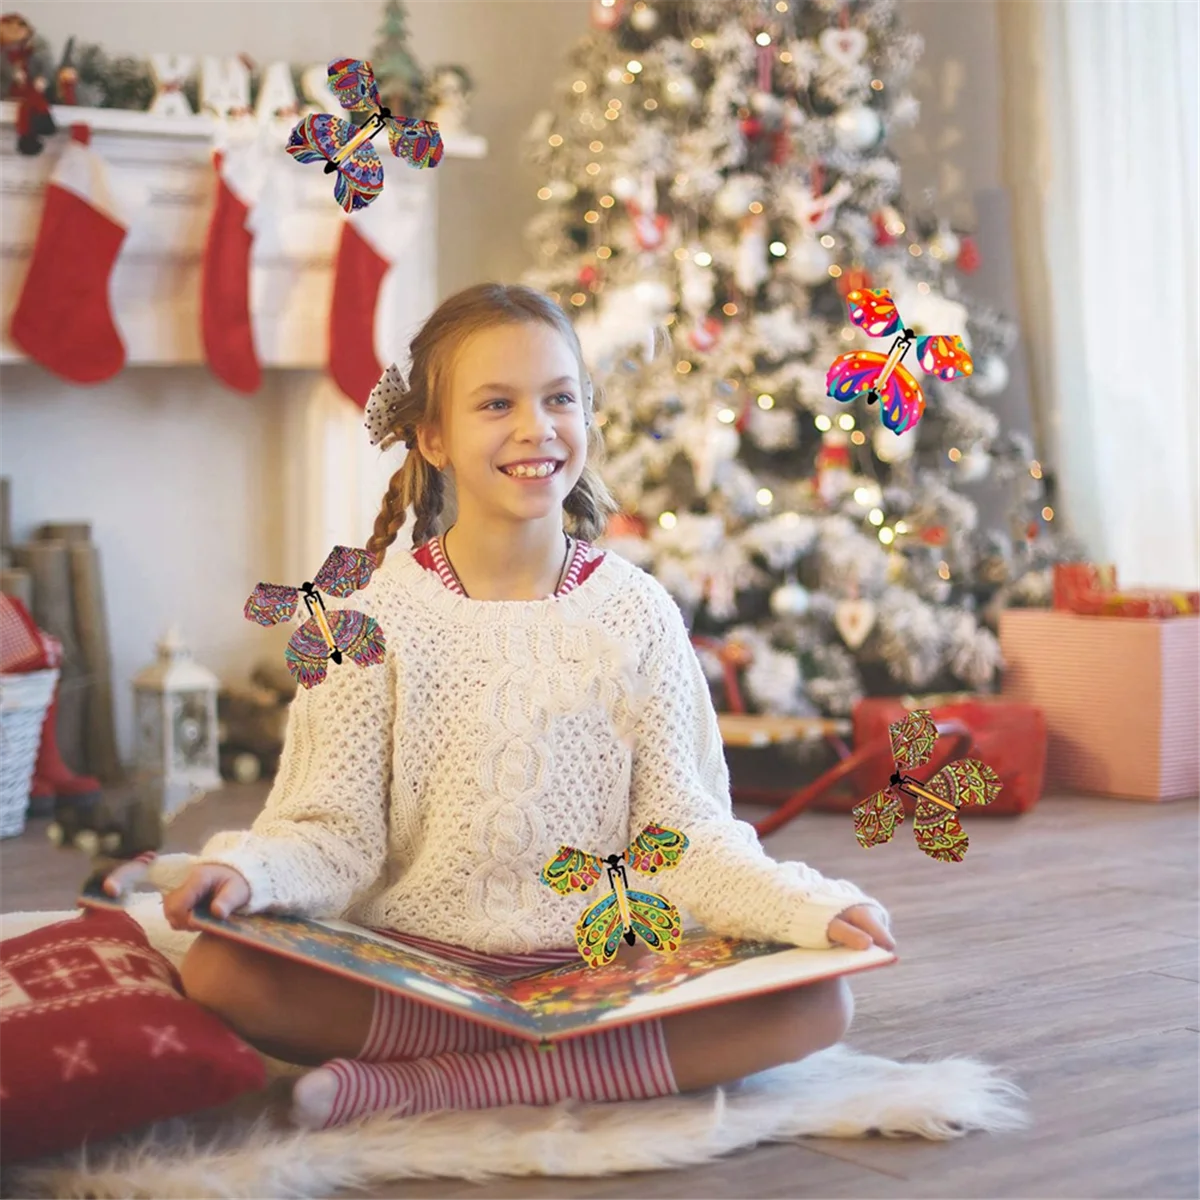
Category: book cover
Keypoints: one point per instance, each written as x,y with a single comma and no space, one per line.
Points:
550,1003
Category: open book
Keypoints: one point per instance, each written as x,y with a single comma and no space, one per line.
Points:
549,1003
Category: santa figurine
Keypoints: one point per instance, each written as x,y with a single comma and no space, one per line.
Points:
28,83
451,90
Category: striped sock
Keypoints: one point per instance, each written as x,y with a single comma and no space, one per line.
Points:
402,1028
629,1063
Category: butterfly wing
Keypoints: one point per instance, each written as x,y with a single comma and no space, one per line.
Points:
938,830
598,932
358,177
913,739
353,82
874,311
902,402
272,603
878,817
945,357
655,920
572,870
357,636
656,849
345,571
307,654
852,374
417,142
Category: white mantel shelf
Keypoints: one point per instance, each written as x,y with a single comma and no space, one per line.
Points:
156,283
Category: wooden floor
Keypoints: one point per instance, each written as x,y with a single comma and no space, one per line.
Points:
1063,950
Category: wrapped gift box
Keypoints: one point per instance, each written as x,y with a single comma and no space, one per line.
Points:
1121,698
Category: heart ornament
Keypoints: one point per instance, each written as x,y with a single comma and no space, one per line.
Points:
844,46
854,619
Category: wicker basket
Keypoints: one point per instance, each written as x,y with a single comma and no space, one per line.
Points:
24,700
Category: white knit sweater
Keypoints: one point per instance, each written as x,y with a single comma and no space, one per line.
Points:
425,794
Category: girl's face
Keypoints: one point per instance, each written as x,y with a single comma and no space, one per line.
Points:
515,411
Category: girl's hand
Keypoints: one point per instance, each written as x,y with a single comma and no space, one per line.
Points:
227,887
860,928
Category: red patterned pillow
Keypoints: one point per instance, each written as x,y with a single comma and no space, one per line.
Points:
98,1038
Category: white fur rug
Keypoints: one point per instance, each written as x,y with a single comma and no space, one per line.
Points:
247,1149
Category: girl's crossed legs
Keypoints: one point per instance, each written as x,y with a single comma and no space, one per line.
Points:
304,1015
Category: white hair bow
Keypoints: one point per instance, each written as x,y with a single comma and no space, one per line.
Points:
384,403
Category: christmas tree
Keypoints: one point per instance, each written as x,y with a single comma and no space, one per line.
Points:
396,72
716,183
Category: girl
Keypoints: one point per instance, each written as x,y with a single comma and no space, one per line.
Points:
536,692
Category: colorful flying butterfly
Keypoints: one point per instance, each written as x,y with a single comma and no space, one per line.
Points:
935,819
346,149
882,377
623,913
325,636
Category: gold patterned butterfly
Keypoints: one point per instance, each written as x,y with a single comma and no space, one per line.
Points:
936,827
624,912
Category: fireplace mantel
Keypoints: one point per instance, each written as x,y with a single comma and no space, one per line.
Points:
156,282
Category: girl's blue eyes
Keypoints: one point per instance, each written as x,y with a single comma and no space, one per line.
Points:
561,396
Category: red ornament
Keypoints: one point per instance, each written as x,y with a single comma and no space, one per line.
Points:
882,236
607,15
588,275
968,259
856,279
934,535
626,525
751,127
706,335
650,229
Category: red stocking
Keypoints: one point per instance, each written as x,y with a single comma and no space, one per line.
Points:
358,275
63,317
52,776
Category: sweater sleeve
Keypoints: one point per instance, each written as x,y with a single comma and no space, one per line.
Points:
321,838
681,780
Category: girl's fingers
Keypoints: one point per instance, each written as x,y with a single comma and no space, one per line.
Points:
845,934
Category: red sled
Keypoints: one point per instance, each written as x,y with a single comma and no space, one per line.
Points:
1010,737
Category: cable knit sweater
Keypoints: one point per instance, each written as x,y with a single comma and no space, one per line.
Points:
425,794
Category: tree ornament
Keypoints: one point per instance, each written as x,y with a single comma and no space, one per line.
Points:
704,336
643,18
888,226
750,268
894,447
808,261
857,127
968,259
854,620
855,279
790,599
974,465
833,466
607,14
945,244
844,47
991,376
650,228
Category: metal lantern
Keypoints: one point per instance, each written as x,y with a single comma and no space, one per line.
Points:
175,707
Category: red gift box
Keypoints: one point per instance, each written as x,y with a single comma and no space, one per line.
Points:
1091,590
1121,698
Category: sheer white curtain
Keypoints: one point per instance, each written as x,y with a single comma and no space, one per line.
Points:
333,478
1101,153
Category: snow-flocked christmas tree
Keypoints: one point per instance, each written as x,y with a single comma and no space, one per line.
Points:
716,182
400,79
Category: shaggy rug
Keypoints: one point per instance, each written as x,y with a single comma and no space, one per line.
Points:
247,1149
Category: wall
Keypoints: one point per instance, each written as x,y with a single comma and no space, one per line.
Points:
183,481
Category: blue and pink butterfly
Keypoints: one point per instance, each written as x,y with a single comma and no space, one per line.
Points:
882,377
346,149
327,636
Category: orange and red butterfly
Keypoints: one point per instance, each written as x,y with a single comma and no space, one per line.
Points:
936,827
326,636
882,377
346,149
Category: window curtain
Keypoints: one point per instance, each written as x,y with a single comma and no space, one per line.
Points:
1100,154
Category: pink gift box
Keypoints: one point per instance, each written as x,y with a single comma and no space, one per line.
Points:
1121,698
